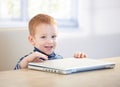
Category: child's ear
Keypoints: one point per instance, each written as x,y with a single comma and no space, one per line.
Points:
31,40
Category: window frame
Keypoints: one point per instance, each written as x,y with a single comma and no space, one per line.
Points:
23,22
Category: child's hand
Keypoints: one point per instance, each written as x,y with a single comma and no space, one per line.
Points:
34,57
80,55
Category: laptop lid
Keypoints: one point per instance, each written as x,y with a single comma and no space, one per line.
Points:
70,65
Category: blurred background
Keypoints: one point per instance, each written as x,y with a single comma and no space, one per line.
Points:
89,26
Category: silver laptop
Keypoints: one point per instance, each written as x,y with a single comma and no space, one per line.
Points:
70,65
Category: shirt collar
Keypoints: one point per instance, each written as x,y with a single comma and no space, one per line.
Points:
49,56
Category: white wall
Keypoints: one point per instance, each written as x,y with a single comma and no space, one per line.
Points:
99,32
98,35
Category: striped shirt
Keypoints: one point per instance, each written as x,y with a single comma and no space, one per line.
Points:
50,57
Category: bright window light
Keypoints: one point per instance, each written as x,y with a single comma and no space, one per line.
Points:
18,12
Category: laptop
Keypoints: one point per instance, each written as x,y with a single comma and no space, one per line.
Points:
71,65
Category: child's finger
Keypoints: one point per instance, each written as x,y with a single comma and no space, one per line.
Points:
35,55
41,56
80,55
37,60
77,55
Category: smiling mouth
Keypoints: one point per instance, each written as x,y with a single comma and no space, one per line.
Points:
48,47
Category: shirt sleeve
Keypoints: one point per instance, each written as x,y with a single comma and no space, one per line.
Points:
18,65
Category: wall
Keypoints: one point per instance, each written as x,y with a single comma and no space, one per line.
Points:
13,45
98,35
99,32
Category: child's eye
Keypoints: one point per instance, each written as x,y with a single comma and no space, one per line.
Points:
54,36
43,37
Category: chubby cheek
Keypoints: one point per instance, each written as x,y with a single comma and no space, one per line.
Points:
39,45
55,44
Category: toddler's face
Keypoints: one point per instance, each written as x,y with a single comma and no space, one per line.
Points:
45,38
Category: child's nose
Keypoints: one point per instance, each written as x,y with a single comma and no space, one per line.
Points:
50,40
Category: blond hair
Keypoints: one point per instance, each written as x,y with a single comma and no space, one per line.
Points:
40,19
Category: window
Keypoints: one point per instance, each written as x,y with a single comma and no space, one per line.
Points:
18,12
